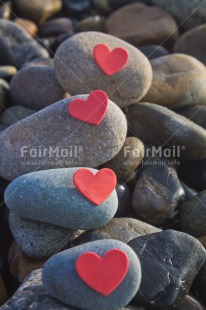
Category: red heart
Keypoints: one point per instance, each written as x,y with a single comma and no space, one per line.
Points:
91,110
95,188
103,275
110,61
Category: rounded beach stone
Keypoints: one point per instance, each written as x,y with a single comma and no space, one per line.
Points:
77,7
14,114
27,25
183,73
122,229
192,43
16,46
158,125
52,138
7,72
157,194
5,10
35,87
170,261
62,282
128,159
187,13
92,23
51,197
75,56
56,27
37,10
139,24
193,215
37,239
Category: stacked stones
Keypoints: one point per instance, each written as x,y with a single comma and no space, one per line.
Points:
102,154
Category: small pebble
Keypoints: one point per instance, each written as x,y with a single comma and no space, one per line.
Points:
27,25
128,159
37,10
55,27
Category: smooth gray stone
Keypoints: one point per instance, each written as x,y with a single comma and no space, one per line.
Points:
14,114
170,261
32,295
61,281
155,124
37,239
52,138
16,46
75,55
51,197
35,87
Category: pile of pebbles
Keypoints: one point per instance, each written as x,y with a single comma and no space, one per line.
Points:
102,155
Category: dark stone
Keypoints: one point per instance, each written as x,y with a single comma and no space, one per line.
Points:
193,215
157,193
156,124
55,27
170,261
124,200
190,303
153,51
194,175
196,113
189,192
116,4
77,7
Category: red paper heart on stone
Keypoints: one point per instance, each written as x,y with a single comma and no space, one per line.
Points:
105,274
92,110
110,61
95,187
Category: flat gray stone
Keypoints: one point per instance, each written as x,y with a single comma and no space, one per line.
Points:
61,281
16,46
52,138
51,197
37,239
78,72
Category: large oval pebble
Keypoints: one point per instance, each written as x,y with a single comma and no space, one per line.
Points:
51,197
